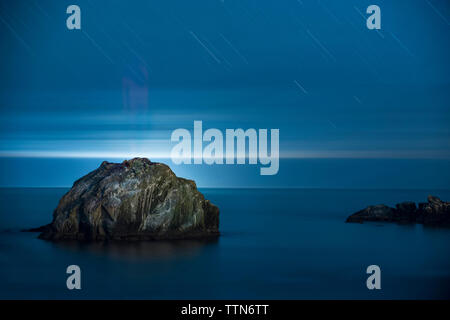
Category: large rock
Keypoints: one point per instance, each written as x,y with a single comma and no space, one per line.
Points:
133,200
435,212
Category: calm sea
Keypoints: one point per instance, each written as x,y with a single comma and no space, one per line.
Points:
275,244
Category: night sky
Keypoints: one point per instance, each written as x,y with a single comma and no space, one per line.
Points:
355,107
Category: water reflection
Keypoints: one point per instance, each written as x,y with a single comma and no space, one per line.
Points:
139,250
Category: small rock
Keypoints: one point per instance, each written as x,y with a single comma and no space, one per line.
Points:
435,212
378,212
405,211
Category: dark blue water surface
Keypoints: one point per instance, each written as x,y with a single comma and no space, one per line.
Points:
275,244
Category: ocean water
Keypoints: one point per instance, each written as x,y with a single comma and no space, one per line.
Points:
275,244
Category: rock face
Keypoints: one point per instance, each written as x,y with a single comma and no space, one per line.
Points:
434,212
133,200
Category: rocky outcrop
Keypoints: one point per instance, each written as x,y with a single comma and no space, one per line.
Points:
434,212
133,200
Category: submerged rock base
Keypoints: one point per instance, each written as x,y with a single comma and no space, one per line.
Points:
133,200
435,212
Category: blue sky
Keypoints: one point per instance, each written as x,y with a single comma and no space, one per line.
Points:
137,70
